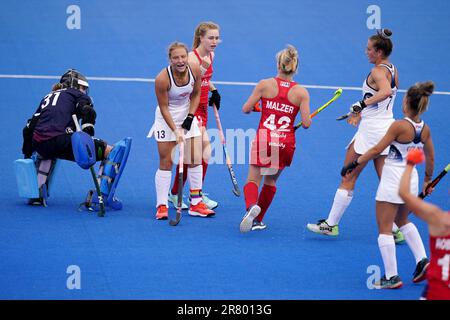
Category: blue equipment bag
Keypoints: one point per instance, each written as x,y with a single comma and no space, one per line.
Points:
83,149
109,174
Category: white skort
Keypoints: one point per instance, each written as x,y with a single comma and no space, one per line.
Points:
390,183
370,132
162,132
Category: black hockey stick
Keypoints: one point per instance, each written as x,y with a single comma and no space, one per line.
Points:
101,213
435,181
235,190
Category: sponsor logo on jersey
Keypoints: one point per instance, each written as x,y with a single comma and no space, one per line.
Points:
442,244
184,94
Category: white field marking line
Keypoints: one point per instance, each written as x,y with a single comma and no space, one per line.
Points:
228,83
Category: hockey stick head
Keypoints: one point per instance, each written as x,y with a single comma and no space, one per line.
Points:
338,92
345,116
176,221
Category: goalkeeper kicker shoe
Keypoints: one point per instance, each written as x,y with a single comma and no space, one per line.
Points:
322,227
173,198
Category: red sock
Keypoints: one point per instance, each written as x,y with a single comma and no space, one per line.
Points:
205,166
177,175
250,194
265,199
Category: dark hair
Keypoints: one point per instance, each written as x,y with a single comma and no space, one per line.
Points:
418,96
382,41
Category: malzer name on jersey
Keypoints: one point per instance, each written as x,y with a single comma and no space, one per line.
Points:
279,107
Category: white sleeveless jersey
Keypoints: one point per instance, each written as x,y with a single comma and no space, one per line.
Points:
180,96
382,109
179,102
398,151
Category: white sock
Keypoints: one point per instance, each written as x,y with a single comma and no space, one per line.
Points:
394,228
414,241
195,176
162,185
386,244
341,201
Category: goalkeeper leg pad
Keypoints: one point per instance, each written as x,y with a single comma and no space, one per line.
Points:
109,174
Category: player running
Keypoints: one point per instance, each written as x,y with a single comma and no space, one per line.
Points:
274,145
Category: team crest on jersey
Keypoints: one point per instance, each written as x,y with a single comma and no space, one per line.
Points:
394,154
184,94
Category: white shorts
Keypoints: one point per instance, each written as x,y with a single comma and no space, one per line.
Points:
370,132
162,131
390,183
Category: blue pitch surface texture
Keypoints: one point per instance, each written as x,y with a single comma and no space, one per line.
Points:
130,255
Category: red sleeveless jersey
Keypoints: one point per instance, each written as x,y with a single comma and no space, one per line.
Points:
278,114
206,78
274,144
438,272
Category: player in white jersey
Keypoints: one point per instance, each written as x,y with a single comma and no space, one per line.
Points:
374,116
402,136
177,90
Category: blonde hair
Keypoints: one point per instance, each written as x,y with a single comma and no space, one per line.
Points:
57,86
287,60
418,96
201,30
176,45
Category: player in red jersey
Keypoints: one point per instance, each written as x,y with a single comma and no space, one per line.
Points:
206,39
274,145
438,272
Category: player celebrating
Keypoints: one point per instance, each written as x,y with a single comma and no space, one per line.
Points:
438,273
274,145
374,116
206,39
177,89
402,136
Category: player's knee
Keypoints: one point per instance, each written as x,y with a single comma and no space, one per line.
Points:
165,163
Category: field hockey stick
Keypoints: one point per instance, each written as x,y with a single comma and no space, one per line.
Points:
336,95
101,213
180,185
345,116
435,181
236,190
